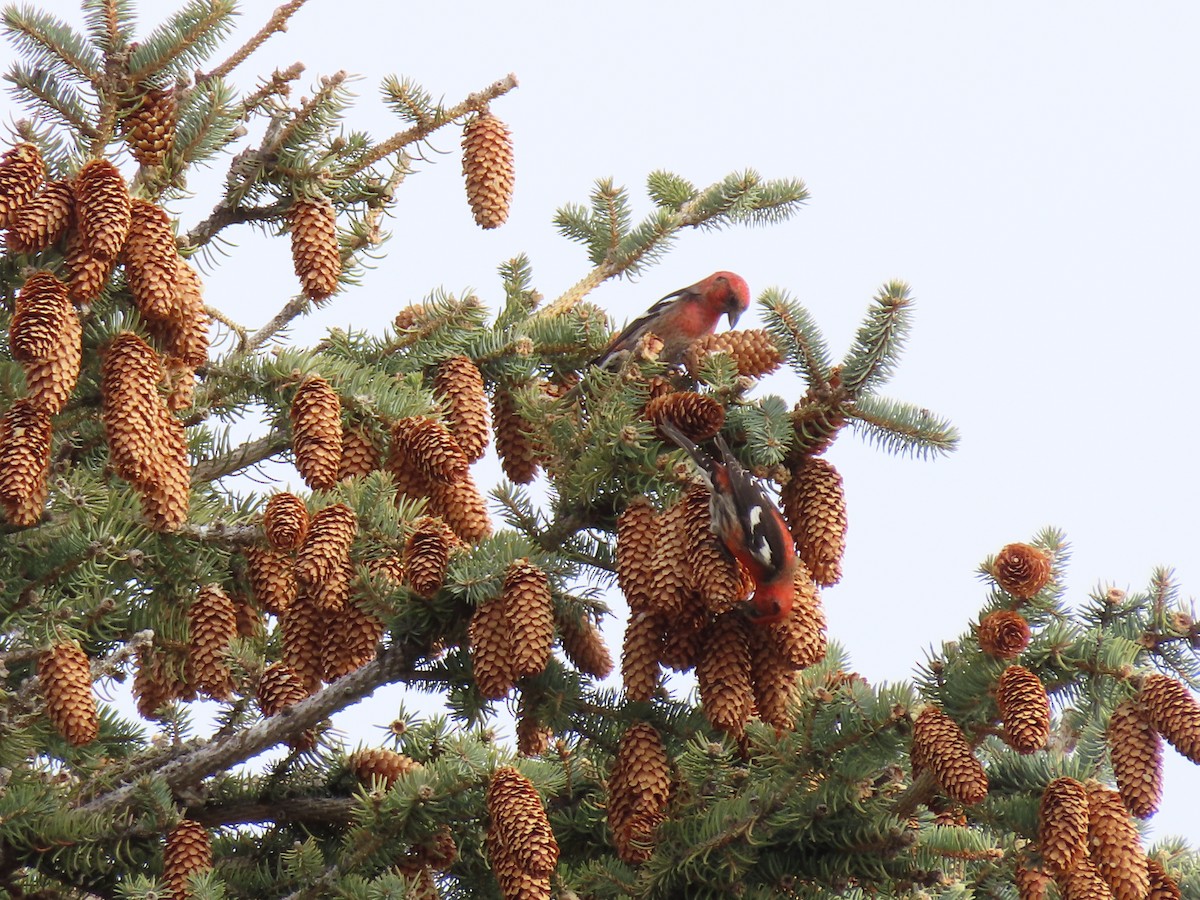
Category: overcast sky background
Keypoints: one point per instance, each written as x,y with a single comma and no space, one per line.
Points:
1030,169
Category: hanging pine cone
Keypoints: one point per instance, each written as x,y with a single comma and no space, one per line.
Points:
696,416
381,765
152,262
426,555
938,746
327,545
712,573
1162,885
773,680
39,317
279,688
670,568
1024,709
21,174
814,504
459,383
1063,825
25,442
65,676
353,640
188,852
285,521
1003,634
360,453
156,682
640,652
165,500
316,255
533,738
515,443
387,569
44,220
800,638
1032,883
213,626
130,409
316,415
149,129
102,208
304,630
1173,712
753,350
1137,759
584,646
431,447
1022,570
1114,845
50,382
272,578
460,505
520,822
680,644
491,650
527,606
332,594
488,167
639,789
88,274
1082,883
186,335
723,674
637,531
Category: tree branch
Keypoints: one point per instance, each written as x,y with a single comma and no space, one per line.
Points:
275,25
307,810
240,457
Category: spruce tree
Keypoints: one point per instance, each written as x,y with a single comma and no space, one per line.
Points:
1016,764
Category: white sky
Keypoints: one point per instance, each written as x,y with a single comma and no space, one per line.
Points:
1029,168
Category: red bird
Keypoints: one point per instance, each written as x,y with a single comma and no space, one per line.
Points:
749,526
680,318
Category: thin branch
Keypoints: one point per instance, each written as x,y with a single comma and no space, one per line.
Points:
278,84
275,25
223,216
240,457
220,533
218,316
290,310
306,810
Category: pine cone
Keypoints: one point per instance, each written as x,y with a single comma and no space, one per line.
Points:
1114,845
696,416
426,555
533,738
131,409
1032,883
723,674
272,578
184,336
285,521
316,416
1082,882
352,641
938,745
380,764
304,628
681,644
1162,885
459,383
360,453
491,650
753,351
488,167
188,852
326,549
279,688
25,441
515,884
773,679
460,505
639,654
44,220
800,638
442,854
430,446
41,310
102,209
1173,712
88,273
316,255
1003,634
65,676
637,529
388,569
527,606
1024,709
1022,570
1063,825
149,128
165,500
50,382
639,789
410,481
814,504
516,444
584,647
152,262
1137,759
21,174
213,622
670,567
713,574
156,682
520,822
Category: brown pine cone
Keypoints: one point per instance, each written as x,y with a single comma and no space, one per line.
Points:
1063,825
460,505
584,647
88,274
814,504
411,483
533,738
380,764
304,628
753,350
213,625
157,682
1032,883
278,688
165,500
188,851
1022,570
152,262
670,566
696,416
938,746
285,521
1137,759
637,529
530,615
1114,844
459,383
39,318
488,167
491,650
316,415
1082,882
21,174
516,445
333,593
272,578
44,220
326,549
186,336
387,569
50,382
639,789
723,674
1173,712
353,639
102,209
131,409
1162,885
773,679
65,677
1024,709
800,638
25,442
149,128
361,454
520,822
681,643
431,447
713,574
427,553
1003,634
316,254
639,654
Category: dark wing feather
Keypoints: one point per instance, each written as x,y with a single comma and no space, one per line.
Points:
635,328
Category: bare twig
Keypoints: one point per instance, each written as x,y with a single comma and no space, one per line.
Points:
278,83
276,24
239,457
220,533
309,810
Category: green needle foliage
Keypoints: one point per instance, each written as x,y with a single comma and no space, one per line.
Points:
822,801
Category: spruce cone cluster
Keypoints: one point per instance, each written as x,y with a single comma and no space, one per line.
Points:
638,791
752,349
316,255
510,635
939,747
520,845
188,851
1022,570
814,504
65,676
488,168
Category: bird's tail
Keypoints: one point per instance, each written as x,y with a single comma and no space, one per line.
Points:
706,463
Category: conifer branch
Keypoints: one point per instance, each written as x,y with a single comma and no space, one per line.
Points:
299,810
225,215
278,84
240,457
221,533
277,24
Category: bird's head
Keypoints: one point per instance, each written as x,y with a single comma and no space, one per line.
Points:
728,292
